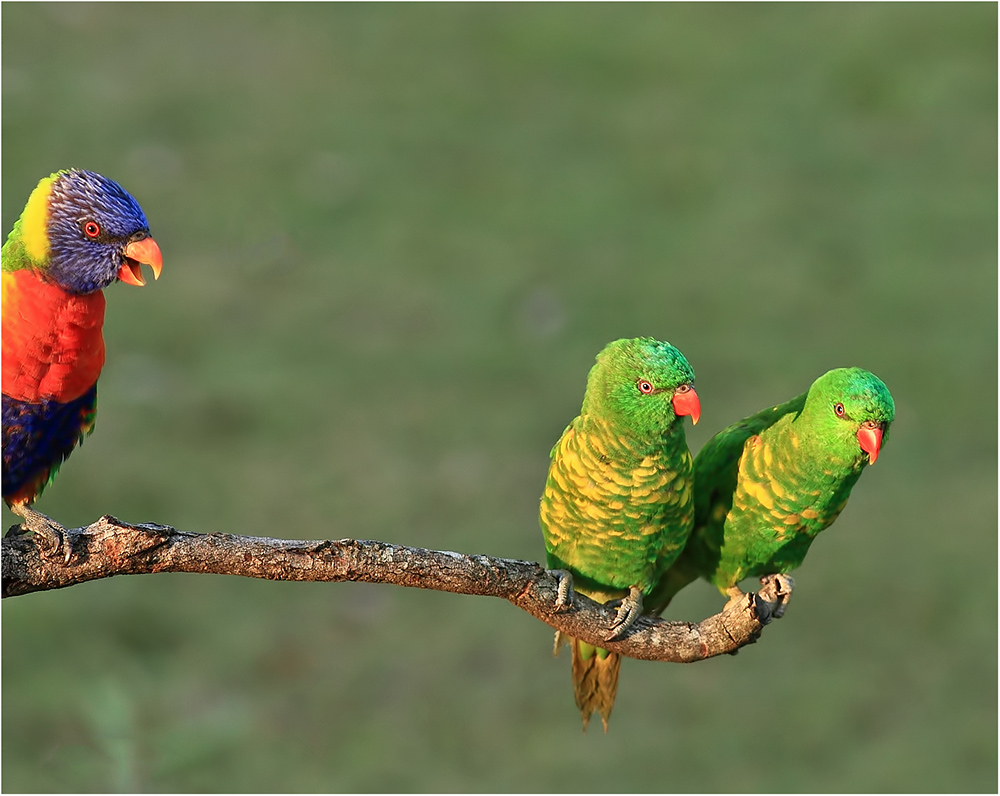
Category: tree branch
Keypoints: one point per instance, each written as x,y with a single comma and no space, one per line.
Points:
111,547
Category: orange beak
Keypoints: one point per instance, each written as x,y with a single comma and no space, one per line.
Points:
687,403
137,254
870,440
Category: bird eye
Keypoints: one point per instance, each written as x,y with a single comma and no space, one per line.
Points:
644,386
839,409
91,229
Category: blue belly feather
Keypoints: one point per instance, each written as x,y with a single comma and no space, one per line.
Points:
37,438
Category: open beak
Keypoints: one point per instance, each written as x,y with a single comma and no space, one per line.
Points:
137,254
687,403
870,439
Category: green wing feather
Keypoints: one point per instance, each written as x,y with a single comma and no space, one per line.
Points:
717,465
716,473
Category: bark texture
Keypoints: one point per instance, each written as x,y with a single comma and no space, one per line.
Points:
111,547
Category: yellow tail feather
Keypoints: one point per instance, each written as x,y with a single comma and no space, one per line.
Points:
595,680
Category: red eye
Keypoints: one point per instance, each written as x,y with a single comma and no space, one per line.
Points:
644,386
839,409
91,229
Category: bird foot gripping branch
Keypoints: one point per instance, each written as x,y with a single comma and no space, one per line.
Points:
629,609
564,601
782,585
776,589
53,541
564,591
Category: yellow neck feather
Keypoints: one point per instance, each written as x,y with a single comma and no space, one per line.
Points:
35,221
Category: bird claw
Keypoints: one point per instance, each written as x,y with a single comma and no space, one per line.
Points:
53,540
564,591
629,609
782,586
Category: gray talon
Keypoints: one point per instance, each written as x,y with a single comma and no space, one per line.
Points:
784,586
564,591
52,537
629,610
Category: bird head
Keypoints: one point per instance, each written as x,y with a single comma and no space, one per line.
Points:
642,384
852,410
84,231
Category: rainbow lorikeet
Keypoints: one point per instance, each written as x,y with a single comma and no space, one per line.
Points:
766,486
78,233
617,506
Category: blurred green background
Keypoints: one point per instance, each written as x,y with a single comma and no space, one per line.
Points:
394,239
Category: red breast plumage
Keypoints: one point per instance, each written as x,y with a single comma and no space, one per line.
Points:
53,346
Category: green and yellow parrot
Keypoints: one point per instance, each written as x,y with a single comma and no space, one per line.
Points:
766,486
617,506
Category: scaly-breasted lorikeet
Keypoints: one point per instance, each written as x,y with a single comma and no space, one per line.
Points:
78,233
766,486
617,506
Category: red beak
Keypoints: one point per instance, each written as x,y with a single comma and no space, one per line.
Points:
137,254
870,439
687,403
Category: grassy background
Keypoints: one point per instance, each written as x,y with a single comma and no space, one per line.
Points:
394,238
